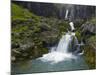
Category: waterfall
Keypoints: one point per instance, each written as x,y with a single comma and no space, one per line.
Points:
72,26
60,53
53,49
66,15
64,42
71,23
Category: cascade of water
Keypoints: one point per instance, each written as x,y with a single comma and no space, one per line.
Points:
72,26
61,52
78,51
64,42
53,49
66,15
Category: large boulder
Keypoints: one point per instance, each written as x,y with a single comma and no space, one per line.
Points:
88,28
88,34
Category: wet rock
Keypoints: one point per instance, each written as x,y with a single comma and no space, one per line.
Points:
49,38
59,10
25,54
88,28
44,27
16,51
26,46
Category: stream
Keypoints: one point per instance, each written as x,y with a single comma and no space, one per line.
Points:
36,66
60,58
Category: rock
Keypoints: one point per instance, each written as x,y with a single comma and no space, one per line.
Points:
89,37
92,42
15,45
25,54
32,34
88,28
44,27
90,56
59,10
26,46
16,51
50,38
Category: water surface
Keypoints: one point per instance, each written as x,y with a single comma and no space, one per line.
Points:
36,66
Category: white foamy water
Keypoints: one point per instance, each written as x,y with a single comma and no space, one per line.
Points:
72,26
55,57
64,43
61,52
66,15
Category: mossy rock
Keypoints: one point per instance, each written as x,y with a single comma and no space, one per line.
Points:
90,56
90,52
78,35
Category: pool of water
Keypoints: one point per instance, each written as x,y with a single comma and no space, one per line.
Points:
37,66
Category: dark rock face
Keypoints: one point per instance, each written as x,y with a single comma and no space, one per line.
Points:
90,52
75,13
88,35
41,9
88,28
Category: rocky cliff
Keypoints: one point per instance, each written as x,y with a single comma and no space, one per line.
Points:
76,12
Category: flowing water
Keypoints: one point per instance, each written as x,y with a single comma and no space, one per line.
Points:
60,58
72,26
35,66
66,15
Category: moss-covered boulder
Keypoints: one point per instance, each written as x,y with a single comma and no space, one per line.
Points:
88,35
90,52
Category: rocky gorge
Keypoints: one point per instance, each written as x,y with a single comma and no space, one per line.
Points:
38,26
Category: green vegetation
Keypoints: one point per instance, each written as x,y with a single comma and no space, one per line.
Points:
87,34
92,20
32,34
78,35
90,47
90,52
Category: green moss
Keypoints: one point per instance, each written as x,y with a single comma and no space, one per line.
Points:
90,57
31,33
19,12
78,35
90,43
90,52
92,20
